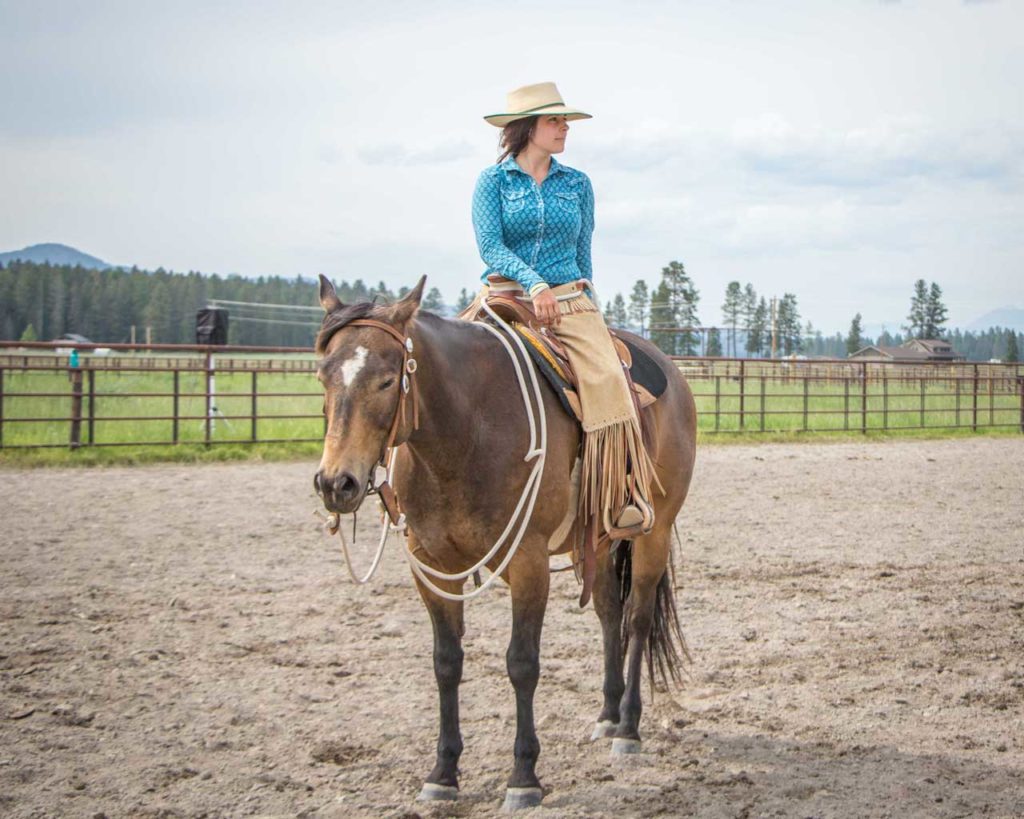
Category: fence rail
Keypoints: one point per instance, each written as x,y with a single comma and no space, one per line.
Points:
178,394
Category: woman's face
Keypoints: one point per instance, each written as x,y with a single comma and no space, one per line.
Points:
549,134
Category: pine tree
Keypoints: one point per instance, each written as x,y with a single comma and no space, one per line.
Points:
853,339
434,301
714,349
1012,350
464,301
757,328
749,310
788,325
29,334
683,298
918,318
639,306
732,312
661,317
935,312
619,316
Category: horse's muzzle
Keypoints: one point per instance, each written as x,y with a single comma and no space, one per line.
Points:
341,493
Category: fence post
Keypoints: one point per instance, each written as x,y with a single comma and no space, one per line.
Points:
762,402
885,400
991,399
174,406
209,398
742,396
1,408
846,402
864,398
92,406
974,412
957,391
807,382
718,402
254,406
1020,385
922,401
75,374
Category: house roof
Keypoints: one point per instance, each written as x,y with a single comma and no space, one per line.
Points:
896,353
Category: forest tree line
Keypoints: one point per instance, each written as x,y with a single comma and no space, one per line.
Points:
45,301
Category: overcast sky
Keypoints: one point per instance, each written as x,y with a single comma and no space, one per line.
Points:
835,150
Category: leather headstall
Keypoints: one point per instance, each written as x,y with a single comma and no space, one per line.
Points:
408,390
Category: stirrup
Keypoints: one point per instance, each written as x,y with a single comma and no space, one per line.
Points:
635,519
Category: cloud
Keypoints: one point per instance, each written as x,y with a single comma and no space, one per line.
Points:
395,154
877,154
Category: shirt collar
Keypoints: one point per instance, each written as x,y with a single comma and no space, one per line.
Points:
510,164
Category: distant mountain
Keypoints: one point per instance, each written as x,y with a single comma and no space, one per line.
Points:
54,254
1008,317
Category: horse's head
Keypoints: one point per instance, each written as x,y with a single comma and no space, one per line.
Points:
361,372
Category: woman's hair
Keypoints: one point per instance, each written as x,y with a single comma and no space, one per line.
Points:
515,136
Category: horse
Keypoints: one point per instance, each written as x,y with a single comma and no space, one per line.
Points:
459,471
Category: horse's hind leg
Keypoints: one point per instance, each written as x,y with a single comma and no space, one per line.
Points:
649,566
528,579
608,604
446,616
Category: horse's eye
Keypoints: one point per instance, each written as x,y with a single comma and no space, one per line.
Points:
387,384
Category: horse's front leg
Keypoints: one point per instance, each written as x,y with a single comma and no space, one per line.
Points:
446,616
528,577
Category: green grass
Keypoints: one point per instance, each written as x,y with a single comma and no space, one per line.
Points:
831,409
144,395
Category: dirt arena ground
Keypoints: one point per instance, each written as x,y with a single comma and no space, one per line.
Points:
181,641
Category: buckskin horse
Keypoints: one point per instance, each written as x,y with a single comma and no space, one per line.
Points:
459,475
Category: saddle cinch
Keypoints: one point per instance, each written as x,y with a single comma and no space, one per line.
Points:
646,379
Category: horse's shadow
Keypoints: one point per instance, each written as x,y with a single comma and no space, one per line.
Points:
714,773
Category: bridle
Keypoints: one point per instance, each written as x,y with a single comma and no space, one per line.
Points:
408,392
408,386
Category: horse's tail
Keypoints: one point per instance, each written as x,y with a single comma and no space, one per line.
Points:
666,646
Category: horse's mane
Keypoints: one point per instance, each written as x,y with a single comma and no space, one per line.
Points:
337,319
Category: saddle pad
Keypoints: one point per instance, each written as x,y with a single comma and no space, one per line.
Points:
549,368
644,370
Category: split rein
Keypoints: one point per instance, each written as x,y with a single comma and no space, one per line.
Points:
536,452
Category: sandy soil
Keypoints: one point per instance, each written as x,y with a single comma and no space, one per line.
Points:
181,641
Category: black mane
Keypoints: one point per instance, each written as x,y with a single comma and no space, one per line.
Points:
337,319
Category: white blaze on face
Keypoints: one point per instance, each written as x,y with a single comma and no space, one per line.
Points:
352,367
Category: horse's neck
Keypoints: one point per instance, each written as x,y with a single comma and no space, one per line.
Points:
452,367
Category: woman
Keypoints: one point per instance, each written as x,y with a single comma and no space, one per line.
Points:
533,218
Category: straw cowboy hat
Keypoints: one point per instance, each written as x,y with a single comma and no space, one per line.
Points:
534,100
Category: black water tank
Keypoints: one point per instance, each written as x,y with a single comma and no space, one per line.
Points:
211,326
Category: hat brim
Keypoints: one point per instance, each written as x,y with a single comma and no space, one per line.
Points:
501,120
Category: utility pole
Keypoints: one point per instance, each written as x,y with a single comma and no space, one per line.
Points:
149,334
775,335
133,334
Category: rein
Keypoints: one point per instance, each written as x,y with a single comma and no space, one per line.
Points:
536,452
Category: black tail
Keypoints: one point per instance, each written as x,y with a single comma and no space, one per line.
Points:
666,646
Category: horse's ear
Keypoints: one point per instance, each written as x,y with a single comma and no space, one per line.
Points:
328,296
401,311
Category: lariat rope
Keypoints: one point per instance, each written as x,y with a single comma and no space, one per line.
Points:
537,452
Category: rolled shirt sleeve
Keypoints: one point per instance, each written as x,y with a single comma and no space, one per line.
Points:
487,226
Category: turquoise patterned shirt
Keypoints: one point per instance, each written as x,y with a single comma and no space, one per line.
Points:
534,234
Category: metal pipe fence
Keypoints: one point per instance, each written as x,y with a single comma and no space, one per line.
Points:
166,395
